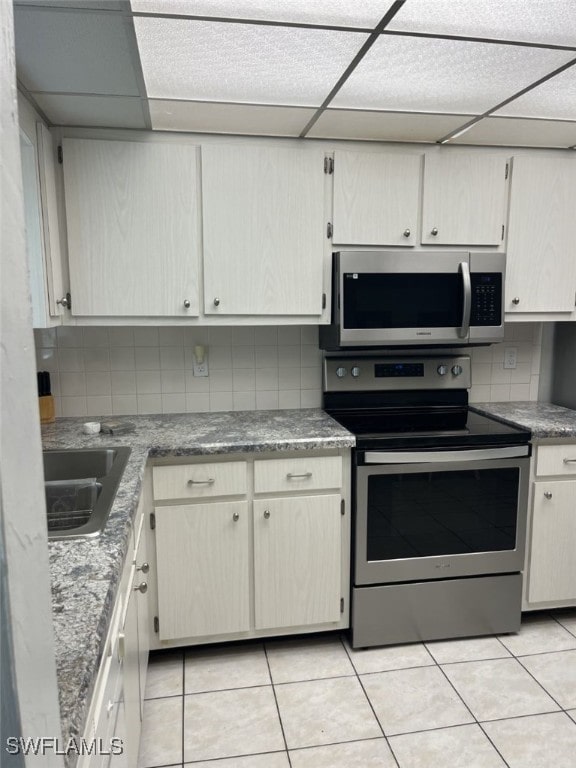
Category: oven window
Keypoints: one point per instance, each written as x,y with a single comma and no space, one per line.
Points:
402,300
441,513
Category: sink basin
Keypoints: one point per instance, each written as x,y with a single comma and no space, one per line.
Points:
80,486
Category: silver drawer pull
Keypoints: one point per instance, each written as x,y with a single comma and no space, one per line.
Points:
293,475
236,517
569,461
548,494
210,481
267,514
143,588
145,567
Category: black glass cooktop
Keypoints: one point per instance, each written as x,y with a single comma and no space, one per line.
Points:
420,422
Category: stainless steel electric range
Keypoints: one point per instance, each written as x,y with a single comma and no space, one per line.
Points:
439,501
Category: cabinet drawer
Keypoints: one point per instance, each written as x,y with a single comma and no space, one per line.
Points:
199,481
297,474
556,460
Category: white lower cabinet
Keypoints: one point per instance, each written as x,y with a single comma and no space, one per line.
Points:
552,540
202,556
270,558
112,730
297,561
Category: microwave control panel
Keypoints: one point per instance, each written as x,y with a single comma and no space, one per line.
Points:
486,298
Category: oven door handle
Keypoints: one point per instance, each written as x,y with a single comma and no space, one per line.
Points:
464,329
428,457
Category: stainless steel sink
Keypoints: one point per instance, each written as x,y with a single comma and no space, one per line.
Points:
80,487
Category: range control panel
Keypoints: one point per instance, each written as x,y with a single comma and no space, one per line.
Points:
348,374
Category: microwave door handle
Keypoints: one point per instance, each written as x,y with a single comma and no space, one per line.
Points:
464,329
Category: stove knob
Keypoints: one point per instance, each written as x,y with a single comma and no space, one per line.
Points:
442,370
355,371
456,370
341,372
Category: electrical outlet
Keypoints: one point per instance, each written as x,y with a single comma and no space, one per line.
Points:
510,355
200,369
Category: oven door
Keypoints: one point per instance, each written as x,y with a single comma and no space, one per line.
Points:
440,514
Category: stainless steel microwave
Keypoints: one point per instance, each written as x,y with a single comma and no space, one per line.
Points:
394,298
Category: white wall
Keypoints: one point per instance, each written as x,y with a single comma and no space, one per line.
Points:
22,506
105,371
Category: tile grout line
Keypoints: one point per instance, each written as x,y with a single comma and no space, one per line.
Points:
369,702
468,708
277,705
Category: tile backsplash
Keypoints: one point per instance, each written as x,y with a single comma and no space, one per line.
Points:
102,371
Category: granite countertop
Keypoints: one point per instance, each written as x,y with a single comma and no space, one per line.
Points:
544,420
85,573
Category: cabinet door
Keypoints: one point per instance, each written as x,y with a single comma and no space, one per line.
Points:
132,220
128,650
297,561
263,230
202,569
143,575
541,265
376,198
552,562
464,199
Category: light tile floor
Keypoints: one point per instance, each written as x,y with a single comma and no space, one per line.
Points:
313,702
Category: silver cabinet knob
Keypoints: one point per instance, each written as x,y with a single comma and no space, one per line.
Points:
65,301
143,588
516,300
145,567
406,233
216,302
267,514
187,303
548,494
236,517
434,231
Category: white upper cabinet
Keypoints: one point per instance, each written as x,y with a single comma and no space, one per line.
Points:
376,198
541,252
132,214
464,199
264,230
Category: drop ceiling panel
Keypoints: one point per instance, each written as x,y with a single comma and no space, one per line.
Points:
211,61
428,75
206,117
101,111
332,12
384,126
555,99
518,132
73,52
536,21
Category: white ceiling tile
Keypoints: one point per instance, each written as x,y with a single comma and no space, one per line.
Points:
518,132
74,52
333,12
555,99
207,117
104,111
211,61
384,126
536,21
429,75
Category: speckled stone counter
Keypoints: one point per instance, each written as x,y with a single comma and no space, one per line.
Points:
85,573
544,420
